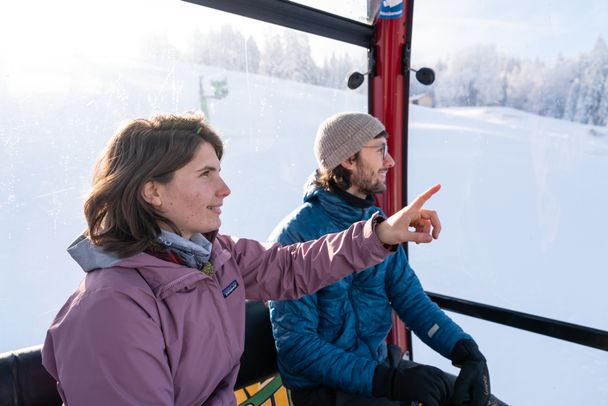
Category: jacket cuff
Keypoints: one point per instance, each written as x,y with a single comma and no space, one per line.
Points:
370,231
382,382
465,350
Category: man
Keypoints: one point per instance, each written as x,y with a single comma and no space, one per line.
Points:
331,345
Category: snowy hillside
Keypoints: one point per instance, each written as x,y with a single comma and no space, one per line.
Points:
523,213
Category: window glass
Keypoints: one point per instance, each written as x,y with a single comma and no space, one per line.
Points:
530,369
359,10
74,73
514,128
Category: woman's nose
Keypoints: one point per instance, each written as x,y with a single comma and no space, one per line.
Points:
223,190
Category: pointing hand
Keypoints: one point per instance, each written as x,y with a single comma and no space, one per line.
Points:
425,222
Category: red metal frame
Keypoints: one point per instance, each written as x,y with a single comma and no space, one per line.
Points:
388,98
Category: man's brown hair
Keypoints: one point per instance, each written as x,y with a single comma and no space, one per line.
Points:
339,176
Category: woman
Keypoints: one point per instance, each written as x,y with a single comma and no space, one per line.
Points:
159,317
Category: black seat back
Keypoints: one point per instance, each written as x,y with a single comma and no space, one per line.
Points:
24,381
259,359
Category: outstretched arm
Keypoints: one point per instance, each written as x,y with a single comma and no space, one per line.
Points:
431,324
274,272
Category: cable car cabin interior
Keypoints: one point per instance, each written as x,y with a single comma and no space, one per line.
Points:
504,105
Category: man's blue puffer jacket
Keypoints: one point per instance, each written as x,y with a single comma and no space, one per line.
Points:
336,337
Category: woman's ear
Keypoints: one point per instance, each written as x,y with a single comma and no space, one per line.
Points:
151,194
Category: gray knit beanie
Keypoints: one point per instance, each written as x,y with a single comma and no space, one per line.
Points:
342,135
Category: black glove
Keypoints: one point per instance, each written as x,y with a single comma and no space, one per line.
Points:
420,383
472,387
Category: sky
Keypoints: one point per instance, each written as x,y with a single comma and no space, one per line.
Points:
540,28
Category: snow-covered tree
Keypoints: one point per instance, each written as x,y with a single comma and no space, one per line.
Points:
156,46
573,96
298,58
253,55
337,68
474,77
287,55
587,99
273,56
602,111
227,48
572,88
550,92
522,76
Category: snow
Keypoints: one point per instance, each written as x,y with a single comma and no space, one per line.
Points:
523,215
522,204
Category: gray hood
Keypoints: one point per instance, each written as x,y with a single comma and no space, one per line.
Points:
90,256
194,252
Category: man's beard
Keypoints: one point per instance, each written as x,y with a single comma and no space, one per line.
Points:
367,181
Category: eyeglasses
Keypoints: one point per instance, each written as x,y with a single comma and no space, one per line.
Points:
382,148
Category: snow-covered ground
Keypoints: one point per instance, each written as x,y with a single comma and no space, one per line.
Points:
522,204
523,213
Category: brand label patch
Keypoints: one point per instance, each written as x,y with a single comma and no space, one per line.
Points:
432,331
230,288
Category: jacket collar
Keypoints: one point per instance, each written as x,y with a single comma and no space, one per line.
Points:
166,278
340,208
163,277
352,199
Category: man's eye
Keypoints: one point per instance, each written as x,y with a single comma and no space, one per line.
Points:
205,174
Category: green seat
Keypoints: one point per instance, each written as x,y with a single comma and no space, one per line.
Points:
265,393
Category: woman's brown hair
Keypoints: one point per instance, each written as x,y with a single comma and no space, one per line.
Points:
119,219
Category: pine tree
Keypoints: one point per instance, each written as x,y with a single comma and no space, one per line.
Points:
573,94
473,78
253,55
298,58
520,76
273,57
592,88
226,48
602,111
156,46
550,94
336,70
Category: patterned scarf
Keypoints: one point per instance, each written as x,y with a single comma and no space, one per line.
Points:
194,252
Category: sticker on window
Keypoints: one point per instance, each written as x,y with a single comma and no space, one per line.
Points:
391,9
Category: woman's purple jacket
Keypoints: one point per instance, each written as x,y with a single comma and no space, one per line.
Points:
143,331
